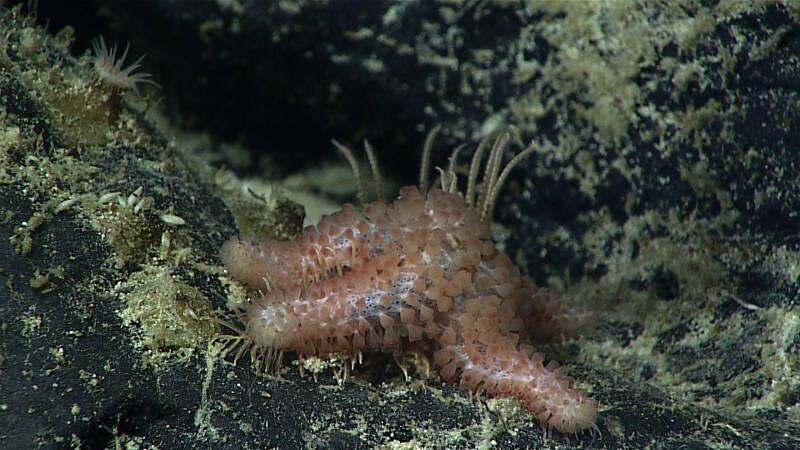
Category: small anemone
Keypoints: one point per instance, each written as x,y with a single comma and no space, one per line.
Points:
110,70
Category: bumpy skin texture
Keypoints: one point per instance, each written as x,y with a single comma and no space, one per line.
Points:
419,272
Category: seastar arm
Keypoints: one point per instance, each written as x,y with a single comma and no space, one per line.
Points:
548,320
510,370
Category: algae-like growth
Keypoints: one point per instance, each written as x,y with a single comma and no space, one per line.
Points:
175,318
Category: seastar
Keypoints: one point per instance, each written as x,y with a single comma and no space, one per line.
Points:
420,272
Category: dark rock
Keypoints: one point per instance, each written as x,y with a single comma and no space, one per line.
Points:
665,169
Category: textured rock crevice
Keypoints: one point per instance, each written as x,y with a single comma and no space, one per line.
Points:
663,195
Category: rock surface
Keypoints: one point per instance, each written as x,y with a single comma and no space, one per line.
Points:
663,195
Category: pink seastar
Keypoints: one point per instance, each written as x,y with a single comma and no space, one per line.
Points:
422,272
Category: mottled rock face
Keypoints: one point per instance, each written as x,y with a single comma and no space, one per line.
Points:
421,271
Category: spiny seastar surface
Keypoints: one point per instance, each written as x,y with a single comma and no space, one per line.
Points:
419,272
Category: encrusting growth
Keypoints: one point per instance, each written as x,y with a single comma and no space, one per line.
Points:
422,273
